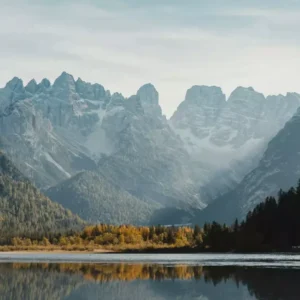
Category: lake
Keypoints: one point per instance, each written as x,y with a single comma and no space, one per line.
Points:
149,276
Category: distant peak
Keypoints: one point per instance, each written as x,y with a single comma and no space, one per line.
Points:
204,89
148,94
205,95
79,80
117,96
32,81
63,79
147,88
81,85
246,94
289,94
149,98
90,91
244,89
64,86
32,86
65,74
16,84
44,84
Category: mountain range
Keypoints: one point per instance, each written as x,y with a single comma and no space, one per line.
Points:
120,160
226,139
278,169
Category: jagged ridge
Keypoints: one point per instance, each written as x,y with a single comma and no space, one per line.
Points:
52,132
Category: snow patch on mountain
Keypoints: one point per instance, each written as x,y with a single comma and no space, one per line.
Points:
55,131
229,137
58,166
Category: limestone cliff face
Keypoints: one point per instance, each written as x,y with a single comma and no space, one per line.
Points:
54,131
226,139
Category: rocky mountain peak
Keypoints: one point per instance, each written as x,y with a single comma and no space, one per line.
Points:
289,94
44,84
149,98
99,91
32,86
281,102
148,93
15,85
117,99
90,91
235,131
64,87
65,80
205,95
198,113
245,94
115,107
293,97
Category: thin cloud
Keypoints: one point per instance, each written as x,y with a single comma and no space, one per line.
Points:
124,44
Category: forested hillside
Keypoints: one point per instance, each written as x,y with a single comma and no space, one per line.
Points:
25,211
96,200
272,225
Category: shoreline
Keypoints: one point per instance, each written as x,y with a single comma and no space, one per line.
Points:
57,252
127,250
195,259
75,249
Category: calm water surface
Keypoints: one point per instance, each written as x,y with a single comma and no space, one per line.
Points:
137,277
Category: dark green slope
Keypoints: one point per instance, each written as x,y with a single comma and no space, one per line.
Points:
97,200
25,211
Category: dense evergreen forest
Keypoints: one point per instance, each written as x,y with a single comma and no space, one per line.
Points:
95,200
25,211
273,225
29,219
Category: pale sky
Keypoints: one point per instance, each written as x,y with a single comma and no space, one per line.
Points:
173,44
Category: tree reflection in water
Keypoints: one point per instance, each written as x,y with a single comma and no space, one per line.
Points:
145,281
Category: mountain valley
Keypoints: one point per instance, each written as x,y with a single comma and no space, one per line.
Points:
119,160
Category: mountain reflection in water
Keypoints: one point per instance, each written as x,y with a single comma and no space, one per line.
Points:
22,281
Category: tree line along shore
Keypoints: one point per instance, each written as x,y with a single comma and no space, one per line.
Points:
273,225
